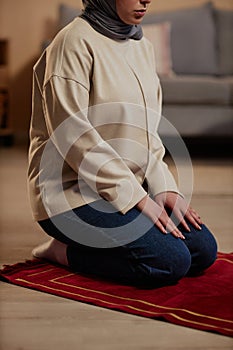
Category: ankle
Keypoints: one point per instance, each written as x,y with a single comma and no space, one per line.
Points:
59,250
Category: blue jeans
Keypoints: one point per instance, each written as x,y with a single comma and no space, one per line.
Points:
152,259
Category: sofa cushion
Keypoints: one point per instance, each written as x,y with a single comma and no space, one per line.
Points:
224,23
229,81
67,14
197,121
197,90
193,39
159,35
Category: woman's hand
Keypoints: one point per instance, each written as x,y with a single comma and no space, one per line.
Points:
158,216
174,202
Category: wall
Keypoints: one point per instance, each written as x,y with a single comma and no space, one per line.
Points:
26,23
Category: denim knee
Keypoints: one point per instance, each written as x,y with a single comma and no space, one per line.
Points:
203,249
164,270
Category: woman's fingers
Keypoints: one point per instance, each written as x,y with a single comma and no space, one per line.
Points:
181,210
171,227
168,226
159,217
161,227
193,218
182,221
195,215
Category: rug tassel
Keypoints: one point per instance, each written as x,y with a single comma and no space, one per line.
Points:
7,269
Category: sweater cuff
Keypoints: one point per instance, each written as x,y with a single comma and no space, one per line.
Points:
129,196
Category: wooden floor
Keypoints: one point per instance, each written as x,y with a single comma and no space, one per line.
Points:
32,320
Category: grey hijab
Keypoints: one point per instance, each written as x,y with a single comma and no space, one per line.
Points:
102,16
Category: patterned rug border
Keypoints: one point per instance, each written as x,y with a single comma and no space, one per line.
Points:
98,297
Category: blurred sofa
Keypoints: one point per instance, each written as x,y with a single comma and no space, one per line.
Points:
196,67
198,88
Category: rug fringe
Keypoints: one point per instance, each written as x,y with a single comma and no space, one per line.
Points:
7,269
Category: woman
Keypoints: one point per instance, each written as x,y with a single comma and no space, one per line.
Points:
98,184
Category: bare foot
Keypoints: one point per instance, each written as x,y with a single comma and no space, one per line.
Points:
52,250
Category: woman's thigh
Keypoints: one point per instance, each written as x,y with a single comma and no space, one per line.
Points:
97,225
130,247
127,247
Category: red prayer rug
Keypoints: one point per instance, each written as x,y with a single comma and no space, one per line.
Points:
204,302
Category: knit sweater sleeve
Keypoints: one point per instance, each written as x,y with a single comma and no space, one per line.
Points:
82,147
